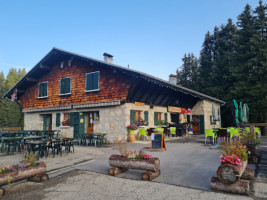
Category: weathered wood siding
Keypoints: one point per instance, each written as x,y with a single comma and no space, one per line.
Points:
112,84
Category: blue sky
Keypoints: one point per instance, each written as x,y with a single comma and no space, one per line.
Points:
150,35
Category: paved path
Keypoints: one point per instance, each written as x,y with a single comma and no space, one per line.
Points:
89,185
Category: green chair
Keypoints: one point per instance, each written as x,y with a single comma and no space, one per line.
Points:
247,130
234,132
210,133
173,131
142,132
159,130
258,131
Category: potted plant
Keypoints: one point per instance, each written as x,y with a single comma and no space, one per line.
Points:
233,161
65,122
161,123
131,135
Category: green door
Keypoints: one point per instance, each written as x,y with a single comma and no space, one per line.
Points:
201,124
47,122
76,122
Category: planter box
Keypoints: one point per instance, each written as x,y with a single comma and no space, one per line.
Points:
122,164
36,173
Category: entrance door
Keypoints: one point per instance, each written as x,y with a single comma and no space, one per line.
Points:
90,122
175,118
195,123
47,122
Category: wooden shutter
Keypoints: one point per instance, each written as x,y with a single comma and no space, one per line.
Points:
76,122
95,80
71,119
45,89
201,124
166,118
40,89
156,119
146,118
132,116
89,81
62,86
57,119
67,85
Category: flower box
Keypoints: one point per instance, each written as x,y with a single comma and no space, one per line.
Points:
36,174
121,164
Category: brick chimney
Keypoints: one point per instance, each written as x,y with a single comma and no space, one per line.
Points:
108,58
172,79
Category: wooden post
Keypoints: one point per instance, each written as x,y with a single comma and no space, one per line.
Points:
148,175
116,170
2,192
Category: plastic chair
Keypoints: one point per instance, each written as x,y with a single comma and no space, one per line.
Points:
210,133
258,131
159,130
173,130
234,132
142,132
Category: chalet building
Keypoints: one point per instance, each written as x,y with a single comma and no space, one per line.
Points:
79,94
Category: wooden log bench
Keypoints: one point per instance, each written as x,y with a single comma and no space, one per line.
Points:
121,164
35,174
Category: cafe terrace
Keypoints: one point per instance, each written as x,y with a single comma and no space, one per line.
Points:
78,94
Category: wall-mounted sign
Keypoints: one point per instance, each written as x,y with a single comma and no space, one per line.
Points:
174,109
183,110
139,103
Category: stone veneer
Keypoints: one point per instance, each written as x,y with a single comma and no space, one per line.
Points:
204,107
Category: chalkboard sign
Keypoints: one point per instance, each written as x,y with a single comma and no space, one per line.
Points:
157,140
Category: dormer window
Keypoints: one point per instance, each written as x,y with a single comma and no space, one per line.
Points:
65,86
43,90
92,82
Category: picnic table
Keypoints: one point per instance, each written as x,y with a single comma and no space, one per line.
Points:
96,138
39,146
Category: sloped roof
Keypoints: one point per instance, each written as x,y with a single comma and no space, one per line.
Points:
57,54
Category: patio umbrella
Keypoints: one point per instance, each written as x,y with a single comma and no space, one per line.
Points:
219,114
234,109
241,116
245,119
213,113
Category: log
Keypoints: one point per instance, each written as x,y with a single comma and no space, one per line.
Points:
240,187
229,174
152,164
2,192
40,169
249,174
115,171
39,178
148,175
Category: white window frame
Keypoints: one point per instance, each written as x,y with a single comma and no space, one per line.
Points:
98,82
39,89
60,88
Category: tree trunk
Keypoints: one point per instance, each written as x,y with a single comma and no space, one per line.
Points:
148,176
40,169
39,178
229,174
2,192
240,187
152,164
249,174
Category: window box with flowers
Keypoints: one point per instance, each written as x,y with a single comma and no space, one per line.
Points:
66,122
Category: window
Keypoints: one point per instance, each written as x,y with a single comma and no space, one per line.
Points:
65,86
159,116
43,89
138,116
66,119
92,81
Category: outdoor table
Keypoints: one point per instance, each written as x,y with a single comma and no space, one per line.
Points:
95,137
32,138
39,146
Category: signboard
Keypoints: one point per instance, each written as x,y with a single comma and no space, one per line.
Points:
139,103
157,142
174,109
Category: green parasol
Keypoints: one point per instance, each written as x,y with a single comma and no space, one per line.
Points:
241,116
234,109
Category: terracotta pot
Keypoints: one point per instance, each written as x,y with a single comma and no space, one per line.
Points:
131,137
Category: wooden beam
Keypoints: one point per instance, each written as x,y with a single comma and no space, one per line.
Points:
20,91
44,67
31,79
147,93
161,97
